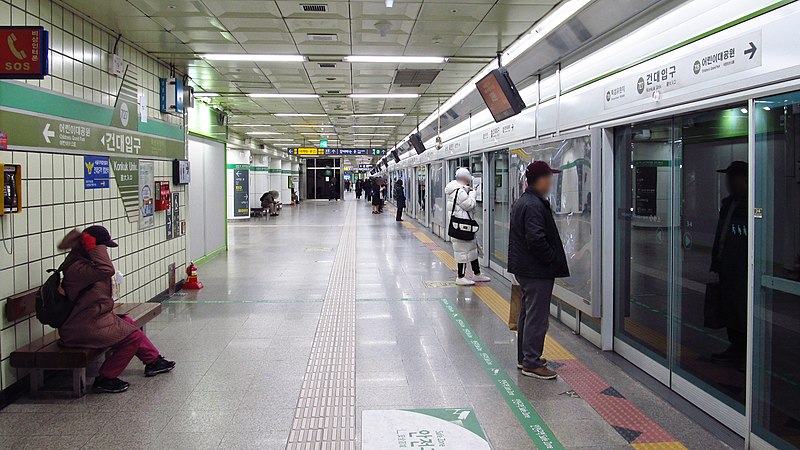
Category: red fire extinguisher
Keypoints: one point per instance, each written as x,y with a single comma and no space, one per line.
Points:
191,278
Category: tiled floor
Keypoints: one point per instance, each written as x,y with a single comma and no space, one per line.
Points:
243,346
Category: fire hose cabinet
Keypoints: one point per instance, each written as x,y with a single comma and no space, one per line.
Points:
162,195
11,198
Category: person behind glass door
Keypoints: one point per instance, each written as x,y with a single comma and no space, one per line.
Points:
536,258
359,189
729,260
375,195
459,192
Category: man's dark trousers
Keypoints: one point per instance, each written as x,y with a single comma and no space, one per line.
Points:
534,319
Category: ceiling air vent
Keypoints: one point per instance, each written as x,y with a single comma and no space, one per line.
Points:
415,77
327,65
314,7
322,37
333,92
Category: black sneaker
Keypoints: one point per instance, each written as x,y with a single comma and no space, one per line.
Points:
110,385
161,365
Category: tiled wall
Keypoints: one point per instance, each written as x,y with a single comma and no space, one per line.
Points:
53,193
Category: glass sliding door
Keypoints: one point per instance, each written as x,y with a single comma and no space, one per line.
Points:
499,207
776,283
681,232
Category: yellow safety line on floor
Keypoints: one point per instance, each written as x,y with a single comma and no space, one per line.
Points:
553,351
409,225
659,446
446,258
423,237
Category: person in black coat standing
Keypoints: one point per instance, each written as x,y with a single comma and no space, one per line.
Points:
536,258
399,198
729,260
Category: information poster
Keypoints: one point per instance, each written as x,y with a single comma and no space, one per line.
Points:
96,172
422,429
241,193
646,191
146,198
126,173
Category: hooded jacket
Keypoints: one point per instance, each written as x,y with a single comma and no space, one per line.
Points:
465,202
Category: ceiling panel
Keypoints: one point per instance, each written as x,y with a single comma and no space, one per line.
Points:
180,31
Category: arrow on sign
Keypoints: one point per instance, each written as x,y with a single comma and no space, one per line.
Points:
238,174
751,51
47,133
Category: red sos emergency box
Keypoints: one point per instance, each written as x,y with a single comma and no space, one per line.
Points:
162,195
23,53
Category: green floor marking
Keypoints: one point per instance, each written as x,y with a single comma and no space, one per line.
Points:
539,432
232,302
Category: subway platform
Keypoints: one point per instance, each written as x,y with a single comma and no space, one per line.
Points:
332,328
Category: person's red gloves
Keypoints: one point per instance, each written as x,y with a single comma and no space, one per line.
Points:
89,241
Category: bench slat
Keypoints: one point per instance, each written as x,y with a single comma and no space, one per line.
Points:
21,305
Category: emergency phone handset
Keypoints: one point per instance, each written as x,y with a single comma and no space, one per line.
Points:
20,54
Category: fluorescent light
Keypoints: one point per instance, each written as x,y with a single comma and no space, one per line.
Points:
264,95
308,125
380,115
248,125
370,134
278,139
261,133
383,95
373,126
253,57
396,59
320,133
389,3
299,115
205,94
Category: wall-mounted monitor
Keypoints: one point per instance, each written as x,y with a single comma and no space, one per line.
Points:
416,141
181,173
500,95
395,156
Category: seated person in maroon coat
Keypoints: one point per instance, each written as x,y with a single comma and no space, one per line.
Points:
92,323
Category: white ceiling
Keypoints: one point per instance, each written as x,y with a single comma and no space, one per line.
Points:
468,32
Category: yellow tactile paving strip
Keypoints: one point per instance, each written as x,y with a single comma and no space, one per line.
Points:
447,259
423,237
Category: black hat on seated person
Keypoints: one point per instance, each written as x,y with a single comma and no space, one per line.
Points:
736,168
102,235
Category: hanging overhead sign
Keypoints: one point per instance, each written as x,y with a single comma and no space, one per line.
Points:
313,151
23,53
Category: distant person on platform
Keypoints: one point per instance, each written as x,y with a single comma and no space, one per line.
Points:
729,260
536,258
359,189
376,197
269,202
347,185
399,198
460,193
368,186
333,191
92,323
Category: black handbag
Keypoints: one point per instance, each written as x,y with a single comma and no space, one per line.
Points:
713,310
461,229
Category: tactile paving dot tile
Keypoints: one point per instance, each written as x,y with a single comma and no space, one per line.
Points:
325,416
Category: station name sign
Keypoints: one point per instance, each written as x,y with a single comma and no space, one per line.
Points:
23,53
313,151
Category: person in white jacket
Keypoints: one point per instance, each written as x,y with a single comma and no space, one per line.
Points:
465,252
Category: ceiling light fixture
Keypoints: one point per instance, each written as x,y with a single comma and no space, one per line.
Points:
374,126
278,139
253,57
380,115
396,59
264,95
370,134
299,115
389,3
261,133
248,125
311,125
383,95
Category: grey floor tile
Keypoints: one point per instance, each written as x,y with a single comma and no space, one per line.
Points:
272,440
198,421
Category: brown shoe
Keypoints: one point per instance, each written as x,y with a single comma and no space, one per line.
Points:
520,366
542,373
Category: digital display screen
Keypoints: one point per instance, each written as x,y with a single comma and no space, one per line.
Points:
500,95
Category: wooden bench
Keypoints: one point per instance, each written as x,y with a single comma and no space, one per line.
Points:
45,353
